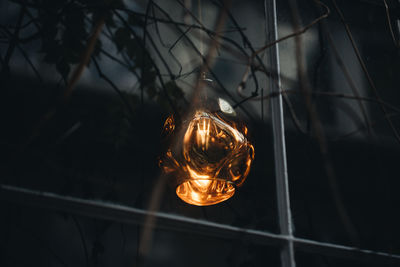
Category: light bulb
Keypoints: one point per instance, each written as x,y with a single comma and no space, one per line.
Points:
212,155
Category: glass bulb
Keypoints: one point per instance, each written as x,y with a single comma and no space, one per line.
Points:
212,155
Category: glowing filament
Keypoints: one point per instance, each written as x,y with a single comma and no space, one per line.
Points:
203,133
215,159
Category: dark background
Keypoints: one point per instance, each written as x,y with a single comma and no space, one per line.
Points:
105,146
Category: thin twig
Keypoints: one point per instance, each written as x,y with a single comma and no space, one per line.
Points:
361,128
350,81
157,28
161,80
173,46
317,128
214,76
82,237
30,63
143,63
169,21
72,82
14,39
25,56
296,33
333,94
389,21
41,242
365,70
292,114
209,60
76,75
116,89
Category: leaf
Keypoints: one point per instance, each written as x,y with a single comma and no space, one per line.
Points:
174,90
109,20
51,48
122,37
133,48
149,77
74,22
151,91
72,56
135,20
63,68
97,48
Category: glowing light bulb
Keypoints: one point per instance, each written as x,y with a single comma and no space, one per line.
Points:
211,158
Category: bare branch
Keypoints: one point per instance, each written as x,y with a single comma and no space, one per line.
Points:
317,128
366,72
389,21
116,89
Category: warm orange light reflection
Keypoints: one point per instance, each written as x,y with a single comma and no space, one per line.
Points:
216,158
205,192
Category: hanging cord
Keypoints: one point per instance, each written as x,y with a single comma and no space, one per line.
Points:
199,10
202,78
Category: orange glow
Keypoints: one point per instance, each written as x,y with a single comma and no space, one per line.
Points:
216,158
169,126
203,133
205,192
